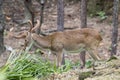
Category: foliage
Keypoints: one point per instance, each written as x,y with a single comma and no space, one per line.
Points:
89,64
24,66
102,15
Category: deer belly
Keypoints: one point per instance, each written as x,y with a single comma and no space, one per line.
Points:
75,48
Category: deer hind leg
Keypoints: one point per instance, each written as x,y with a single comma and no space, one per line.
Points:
82,59
94,54
95,57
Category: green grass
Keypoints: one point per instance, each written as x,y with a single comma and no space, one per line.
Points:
102,15
24,66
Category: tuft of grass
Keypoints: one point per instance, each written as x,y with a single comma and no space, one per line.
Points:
24,66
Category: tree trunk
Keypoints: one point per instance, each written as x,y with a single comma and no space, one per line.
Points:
115,28
60,20
83,18
29,12
2,24
42,2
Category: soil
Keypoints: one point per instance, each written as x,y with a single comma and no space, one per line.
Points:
72,19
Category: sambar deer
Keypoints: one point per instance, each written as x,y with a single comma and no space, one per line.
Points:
70,40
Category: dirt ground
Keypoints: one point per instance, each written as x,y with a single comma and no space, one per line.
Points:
72,19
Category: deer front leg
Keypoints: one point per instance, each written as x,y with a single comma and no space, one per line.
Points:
63,59
57,49
59,57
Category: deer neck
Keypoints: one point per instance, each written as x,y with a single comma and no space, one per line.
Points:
41,41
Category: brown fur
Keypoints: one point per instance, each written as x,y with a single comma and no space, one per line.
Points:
71,40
